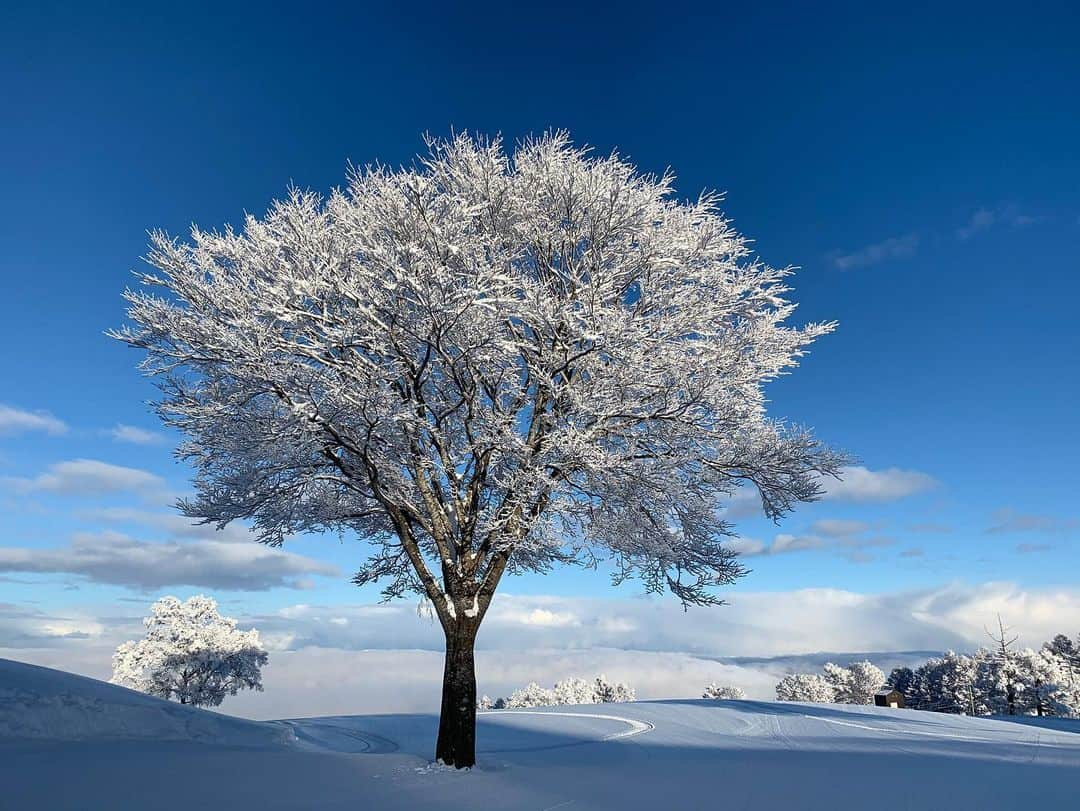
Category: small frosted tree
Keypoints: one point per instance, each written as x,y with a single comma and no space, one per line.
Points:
575,691
805,687
854,684
531,695
612,692
483,364
723,691
191,654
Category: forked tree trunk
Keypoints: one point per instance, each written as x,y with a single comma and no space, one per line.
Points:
456,745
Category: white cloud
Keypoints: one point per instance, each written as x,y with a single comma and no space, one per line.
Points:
1006,521
984,219
135,435
114,558
172,523
893,248
747,547
838,527
861,484
17,421
786,542
87,477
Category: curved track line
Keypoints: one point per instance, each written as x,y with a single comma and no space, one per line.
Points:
636,727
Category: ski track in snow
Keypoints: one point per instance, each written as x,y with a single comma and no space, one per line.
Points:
324,736
636,727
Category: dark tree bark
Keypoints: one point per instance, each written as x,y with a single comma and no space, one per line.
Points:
456,745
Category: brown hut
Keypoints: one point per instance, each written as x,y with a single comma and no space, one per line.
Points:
889,697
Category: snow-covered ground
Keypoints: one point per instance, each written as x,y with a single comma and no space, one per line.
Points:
68,742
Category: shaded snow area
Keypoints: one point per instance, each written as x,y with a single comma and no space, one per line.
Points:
68,742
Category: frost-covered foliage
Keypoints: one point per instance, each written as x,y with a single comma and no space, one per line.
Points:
854,684
191,654
531,695
480,364
483,362
575,691
722,691
567,691
805,687
950,683
611,692
1001,680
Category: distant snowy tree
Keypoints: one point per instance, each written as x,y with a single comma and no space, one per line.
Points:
902,679
1047,683
723,691
484,703
531,695
805,687
611,692
854,684
1065,656
575,691
950,683
568,691
1003,676
480,364
190,653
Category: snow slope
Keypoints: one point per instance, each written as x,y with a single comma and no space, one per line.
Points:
668,754
39,702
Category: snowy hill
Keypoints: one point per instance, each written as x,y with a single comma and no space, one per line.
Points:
68,742
42,703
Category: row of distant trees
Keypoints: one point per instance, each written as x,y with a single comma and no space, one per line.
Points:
854,684
1001,679
998,680
568,691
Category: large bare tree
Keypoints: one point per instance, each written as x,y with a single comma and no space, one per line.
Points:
486,363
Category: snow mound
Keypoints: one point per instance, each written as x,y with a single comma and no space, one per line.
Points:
38,702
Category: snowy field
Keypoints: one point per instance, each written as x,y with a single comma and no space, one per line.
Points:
67,742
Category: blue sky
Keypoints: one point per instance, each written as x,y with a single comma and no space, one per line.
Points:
921,169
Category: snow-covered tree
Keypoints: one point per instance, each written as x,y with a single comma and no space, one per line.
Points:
190,653
1002,675
575,691
612,692
902,679
531,695
723,691
805,687
854,684
1066,658
484,703
1045,680
483,363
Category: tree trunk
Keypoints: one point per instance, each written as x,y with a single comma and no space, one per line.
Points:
457,723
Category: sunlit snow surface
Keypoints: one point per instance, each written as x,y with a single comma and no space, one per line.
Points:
73,743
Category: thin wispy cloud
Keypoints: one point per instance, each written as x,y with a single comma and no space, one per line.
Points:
1009,521
120,560
1032,548
135,435
846,541
860,484
18,421
87,477
838,528
986,219
892,248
